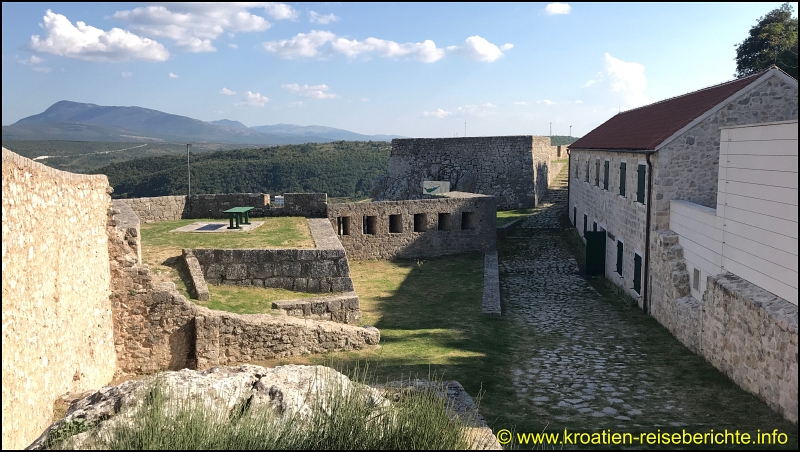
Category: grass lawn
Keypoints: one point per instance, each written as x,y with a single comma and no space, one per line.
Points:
507,216
161,250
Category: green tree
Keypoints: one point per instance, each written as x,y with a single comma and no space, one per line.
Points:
773,40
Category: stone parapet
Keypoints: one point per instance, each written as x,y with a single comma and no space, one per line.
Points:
199,286
343,308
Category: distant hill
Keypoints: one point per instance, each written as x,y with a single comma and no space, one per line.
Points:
560,140
66,120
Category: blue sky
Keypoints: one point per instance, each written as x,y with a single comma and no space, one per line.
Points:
418,70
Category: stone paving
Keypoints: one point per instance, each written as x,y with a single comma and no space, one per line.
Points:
590,360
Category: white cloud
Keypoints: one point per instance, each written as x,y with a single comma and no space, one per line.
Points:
589,83
628,79
194,26
425,51
479,49
233,46
173,75
439,113
578,101
467,110
227,92
557,8
298,103
520,103
255,99
315,91
308,45
127,74
322,19
545,101
35,62
85,42
302,45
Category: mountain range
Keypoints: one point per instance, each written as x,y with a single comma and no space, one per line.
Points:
75,121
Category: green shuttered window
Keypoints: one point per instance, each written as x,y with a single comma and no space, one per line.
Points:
637,273
640,188
605,174
622,175
620,249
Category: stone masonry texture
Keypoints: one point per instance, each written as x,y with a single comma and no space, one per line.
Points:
514,169
344,308
57,327
454,223
744,331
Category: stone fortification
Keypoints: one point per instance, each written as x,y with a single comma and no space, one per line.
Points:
164,208
343,308
514,169
743,330
451,224
57,328
318,270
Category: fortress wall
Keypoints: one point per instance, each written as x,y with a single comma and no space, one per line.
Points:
57,322
499,166
415,228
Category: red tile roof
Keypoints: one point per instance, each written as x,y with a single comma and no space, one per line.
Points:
646,127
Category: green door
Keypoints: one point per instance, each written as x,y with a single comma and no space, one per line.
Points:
595,253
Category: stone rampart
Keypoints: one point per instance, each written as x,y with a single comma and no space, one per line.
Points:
451,224
510,168
57,326
744,331
164,208
343,308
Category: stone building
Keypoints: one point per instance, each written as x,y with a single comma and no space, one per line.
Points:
624,173
513,169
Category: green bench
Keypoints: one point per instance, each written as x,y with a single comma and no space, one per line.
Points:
236,214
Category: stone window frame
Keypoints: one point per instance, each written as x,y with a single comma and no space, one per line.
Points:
370,225
420,222
597,172
343,225
588,165
395,223
623,179
447,224
606,173
469,220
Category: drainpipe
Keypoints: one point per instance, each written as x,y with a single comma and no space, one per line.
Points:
646,293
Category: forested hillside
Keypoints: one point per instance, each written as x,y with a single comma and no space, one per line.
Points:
341,169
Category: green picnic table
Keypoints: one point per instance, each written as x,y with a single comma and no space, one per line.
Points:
236,213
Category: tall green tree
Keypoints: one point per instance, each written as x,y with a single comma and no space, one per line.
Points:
773,40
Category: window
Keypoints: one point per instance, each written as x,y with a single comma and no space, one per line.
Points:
640,188
696,280
420,222
597,172
605,174
622,169
468,220
370,225
594,226
587,169
620,251
395,224
444,221
343,225
637,273
574,217
576,170
585,222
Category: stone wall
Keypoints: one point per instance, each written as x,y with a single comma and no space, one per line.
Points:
322,269
57,327
688,167
744,331
509,168
164,208
451,224
343,308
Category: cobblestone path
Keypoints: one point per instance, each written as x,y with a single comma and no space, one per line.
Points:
587,359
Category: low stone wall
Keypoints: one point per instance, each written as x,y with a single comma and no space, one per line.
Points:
224,338
309,205
455,223
744,331
160,208
165,208
199,286
343,308
126,226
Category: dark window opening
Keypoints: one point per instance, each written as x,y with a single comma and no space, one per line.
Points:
622,175
637,273
640,188
574,217
585,223
605,174
395,224
587,170
343,225
468,220
696,280
597,173
420,222
370,225
620,250
444,222
594,226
